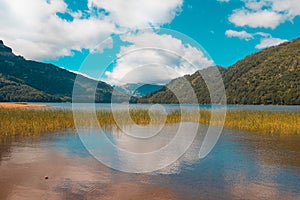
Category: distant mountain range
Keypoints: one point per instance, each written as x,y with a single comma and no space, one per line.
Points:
271,76
138,89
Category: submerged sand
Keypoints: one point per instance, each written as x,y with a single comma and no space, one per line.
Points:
23,177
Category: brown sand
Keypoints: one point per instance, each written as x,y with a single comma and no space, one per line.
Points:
22,177
22,105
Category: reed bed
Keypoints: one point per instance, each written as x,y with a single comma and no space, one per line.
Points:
270,122
29,122
267,122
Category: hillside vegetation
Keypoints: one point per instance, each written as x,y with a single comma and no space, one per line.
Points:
26,80
271,76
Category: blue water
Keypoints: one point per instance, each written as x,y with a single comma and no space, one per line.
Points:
241,166
170,107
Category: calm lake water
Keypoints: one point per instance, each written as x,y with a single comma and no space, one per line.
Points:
170,107
241,166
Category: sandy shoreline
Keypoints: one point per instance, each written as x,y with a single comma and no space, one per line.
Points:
22,105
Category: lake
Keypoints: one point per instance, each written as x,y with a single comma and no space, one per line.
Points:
241,166
170,107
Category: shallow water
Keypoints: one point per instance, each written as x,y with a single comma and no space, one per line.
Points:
241,166
170,107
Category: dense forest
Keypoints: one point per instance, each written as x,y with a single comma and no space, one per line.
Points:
25,80
271,76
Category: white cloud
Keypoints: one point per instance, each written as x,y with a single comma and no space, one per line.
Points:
154,58
33,29
139,13
266,39
269,42
262,34
265,13
80,73
254,4
223,1
261,18
240,34
290,7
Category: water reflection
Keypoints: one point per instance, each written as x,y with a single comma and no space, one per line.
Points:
70,176
121,151
274,150
241,166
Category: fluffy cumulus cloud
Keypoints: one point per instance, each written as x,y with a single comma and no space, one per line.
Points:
34,29
261,18
265,13
269,42
155,58
290,8
139,13
240,34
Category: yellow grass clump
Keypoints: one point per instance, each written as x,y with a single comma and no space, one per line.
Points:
28,122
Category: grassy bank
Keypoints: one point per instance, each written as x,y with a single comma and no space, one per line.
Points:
33,122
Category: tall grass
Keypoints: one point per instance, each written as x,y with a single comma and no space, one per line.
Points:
267,122
32,122
28,122
271,122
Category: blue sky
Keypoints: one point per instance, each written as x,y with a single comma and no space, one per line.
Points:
207,21
64,33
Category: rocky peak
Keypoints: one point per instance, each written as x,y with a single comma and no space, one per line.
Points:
4,50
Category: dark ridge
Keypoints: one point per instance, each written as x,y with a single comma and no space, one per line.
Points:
31,81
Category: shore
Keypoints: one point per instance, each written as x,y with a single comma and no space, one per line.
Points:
22,105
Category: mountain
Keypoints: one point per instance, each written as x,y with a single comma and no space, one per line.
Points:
31,81
138,89
271,76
